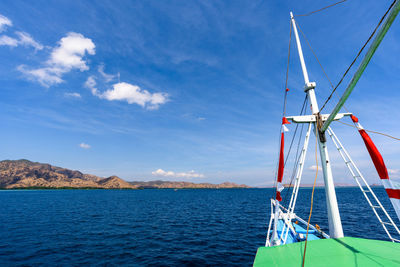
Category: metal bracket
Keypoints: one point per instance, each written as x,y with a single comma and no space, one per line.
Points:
319,124
309,86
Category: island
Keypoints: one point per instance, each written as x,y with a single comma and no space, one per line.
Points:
24,174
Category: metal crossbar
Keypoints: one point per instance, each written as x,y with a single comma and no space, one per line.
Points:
361,182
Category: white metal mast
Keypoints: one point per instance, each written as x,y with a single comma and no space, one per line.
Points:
335,224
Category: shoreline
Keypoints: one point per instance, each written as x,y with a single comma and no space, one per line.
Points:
154,188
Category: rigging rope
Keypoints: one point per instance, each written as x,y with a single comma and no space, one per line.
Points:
312,194
387,135
291,144
295,131
319,62
284,101
287,72
315,55
318,10
297,157
358,54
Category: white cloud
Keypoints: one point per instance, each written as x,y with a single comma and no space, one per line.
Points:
133,94
45,76
23,39
314,168
84,146
73,95
123,91
91,84
68,55
107,77
70,52
27,40
394,173
9,41
188,175
4,22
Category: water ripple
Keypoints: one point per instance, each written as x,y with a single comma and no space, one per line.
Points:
155,227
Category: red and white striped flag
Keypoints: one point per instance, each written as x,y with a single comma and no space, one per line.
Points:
281,166
392,187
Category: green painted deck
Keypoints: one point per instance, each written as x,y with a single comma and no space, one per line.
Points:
346,251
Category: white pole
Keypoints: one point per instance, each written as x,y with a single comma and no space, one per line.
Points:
335,224
300,50
309,87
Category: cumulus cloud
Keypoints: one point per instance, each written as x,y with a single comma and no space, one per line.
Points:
123,91
84,146
70,51
68,55
188,175
73,95
130,93
133,94
4,22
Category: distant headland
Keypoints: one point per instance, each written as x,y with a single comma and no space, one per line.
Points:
20,174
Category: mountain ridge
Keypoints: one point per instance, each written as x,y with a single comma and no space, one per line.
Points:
23,173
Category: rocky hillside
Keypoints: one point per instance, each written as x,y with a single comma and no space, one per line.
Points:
25,174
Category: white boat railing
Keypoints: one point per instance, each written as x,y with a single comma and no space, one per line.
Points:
287,218
325,235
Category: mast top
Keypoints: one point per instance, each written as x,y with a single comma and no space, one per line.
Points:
309,86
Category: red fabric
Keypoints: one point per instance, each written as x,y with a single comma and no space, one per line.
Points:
278,196
285,121
354,118
393,193
281,159
375,155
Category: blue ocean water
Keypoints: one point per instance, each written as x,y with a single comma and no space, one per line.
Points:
156,227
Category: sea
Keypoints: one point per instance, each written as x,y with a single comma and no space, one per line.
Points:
158,227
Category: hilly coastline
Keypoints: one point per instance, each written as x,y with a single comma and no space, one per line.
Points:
15,174
180,185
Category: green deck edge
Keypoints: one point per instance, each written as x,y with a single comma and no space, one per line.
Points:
346,251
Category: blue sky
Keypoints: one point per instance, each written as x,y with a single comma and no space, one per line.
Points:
183,90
